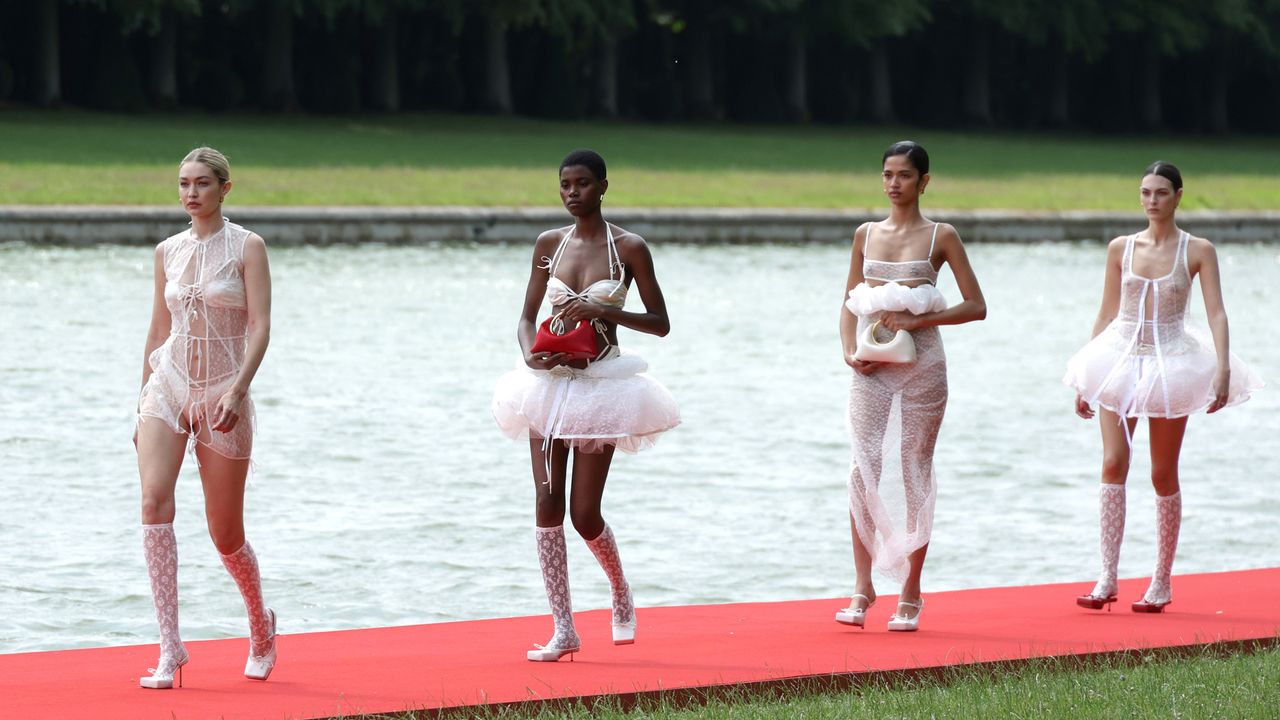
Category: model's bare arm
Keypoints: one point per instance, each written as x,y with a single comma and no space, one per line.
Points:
1206,266
158,332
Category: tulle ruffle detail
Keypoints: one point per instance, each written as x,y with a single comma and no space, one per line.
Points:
609,402
866,300
1140,381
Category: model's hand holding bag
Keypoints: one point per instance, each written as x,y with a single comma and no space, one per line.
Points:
578,343
900,349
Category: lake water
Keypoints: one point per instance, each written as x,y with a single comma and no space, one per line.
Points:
385,495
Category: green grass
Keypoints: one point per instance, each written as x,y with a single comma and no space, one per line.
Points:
86,158
1206,685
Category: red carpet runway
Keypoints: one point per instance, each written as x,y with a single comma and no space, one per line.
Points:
430,666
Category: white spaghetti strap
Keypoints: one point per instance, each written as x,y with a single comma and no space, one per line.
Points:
615,259
932,240
554,261
1183,239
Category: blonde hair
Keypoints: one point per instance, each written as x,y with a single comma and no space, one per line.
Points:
216,161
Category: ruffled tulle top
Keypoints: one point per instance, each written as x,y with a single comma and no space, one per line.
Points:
867,299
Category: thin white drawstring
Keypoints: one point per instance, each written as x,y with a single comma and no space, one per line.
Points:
555,422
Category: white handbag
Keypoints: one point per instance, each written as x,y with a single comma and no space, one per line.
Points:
900,349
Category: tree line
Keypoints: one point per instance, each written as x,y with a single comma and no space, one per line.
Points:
1103,65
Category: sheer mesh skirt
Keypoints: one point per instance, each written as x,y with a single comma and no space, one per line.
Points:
895,414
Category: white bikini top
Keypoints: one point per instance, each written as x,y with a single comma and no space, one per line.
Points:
610,291
900,272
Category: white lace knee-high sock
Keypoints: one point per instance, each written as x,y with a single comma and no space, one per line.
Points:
1111,512
1168,524
554,559
243,567
605,548
160,548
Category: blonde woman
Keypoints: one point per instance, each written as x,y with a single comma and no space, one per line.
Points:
210,324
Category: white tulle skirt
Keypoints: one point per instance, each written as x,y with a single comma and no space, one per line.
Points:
610,402
1141,379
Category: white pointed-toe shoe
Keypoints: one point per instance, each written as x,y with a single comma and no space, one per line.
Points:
556,648
163,674
259,667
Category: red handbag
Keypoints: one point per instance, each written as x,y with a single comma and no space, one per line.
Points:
578,343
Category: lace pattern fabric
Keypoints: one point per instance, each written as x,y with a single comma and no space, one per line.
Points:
242,565
198,362
160,549
1149,362
1111,517
894,417
1168,525
553,556
605,548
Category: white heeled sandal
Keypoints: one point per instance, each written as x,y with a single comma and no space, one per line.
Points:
855,615
902,623
544,653
259,667
163,674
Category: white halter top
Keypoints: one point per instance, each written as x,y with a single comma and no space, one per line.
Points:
610,291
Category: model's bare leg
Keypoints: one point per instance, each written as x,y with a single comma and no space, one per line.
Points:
224,480
160,452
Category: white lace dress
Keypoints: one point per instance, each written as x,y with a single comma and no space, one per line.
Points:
1149,362
894,417
204,291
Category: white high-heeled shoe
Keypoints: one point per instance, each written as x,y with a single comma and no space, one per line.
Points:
162,675
258,667
624,633
902,623
855,615
552,652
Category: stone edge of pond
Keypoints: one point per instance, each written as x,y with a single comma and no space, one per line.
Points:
146,225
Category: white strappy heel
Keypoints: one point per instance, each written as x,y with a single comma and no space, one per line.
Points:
855,615
163,674
545,653
902,623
